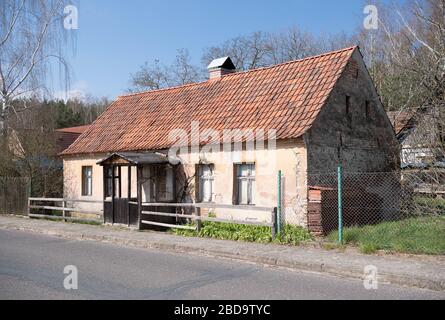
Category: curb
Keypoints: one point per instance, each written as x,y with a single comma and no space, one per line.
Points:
322,268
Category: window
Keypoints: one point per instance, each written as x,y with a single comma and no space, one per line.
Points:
117,181
206,177
108,182
87,181
348,104
245,184
164,184
367,109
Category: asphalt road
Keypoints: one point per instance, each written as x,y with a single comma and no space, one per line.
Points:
31,267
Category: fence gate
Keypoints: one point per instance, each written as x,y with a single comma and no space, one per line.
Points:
14,195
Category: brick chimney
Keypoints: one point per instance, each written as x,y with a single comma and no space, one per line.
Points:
220,67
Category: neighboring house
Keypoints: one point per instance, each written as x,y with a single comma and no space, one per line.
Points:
421,136
319,108
66,136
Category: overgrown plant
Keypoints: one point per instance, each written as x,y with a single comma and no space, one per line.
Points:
293,235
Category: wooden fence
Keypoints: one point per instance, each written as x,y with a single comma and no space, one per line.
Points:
63,208
14,194
196,216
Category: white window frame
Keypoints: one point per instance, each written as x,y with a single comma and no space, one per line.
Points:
87,181
250,179
206,176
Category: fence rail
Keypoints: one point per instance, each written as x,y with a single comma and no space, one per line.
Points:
199,219
64,209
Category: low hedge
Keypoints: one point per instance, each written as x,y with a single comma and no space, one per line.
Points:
228,231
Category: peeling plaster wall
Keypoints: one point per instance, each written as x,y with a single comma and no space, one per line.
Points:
72,181
369,142
289,157
367,138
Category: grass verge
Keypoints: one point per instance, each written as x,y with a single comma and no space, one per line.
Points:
227,231
416,236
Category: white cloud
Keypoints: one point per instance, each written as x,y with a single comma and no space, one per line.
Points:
79,91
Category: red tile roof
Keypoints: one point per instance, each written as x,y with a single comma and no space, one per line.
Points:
67,136
78,129
401,120
285,97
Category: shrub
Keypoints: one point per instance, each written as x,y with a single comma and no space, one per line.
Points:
237,232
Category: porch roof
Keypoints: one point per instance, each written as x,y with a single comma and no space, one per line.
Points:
134,158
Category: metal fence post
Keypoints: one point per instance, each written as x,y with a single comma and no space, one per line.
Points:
279,204
340,203
274,223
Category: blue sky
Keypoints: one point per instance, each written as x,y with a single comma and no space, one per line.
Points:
116,37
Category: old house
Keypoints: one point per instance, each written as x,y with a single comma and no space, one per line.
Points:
224,140
66,136
421,134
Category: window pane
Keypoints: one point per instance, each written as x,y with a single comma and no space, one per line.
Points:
206,190
242,191
90,185
87,181
206,182
165,183
246,184
252,191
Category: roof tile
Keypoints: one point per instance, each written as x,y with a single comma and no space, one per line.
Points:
285,97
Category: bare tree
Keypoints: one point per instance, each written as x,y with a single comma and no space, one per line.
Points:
261,49
246,52
182,70
406,56
407,53
32,38
150,77
157,75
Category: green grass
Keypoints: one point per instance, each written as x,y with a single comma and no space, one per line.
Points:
436,205
227,231
424,235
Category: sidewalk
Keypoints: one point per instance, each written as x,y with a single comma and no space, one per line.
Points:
423,272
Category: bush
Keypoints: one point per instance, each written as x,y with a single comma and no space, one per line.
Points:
237,232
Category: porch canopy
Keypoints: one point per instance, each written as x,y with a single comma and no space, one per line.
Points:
124,208
134,159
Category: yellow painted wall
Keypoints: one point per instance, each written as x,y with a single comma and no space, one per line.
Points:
290,157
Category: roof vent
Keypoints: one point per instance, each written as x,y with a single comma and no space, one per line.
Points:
220,67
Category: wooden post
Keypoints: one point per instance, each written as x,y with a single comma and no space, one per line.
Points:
198,220
119,172
113,191
105,180
29,196
63,210
139,193
129,192
29,206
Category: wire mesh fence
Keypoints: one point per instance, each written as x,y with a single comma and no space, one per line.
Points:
401,210
14,194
